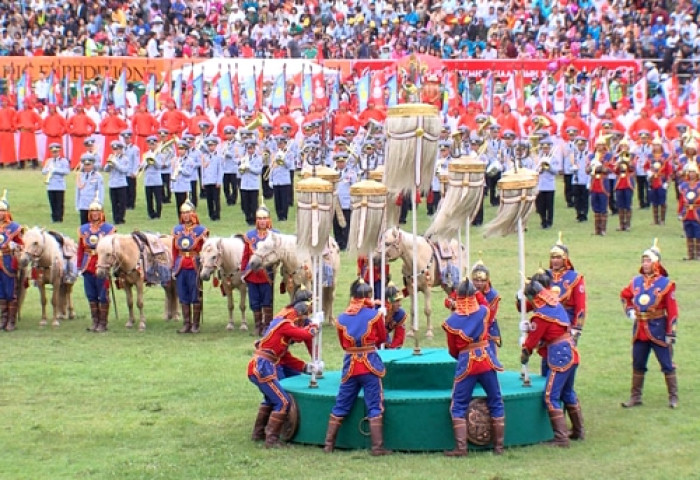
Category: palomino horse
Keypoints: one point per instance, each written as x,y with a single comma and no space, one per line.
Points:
296,265
223,256
125,257
399,245
50,267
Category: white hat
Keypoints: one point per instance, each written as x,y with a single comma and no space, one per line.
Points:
649,64
251,9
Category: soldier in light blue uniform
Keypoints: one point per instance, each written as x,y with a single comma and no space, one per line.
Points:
133,154
152,166
508,149
165,156
195,157
89,186
641,155
230,151
568,166
268,144
494,166
212,177
250,170
280,179
476,144
547,167
580,179
119,167
56,168
436,188
184,170
348,176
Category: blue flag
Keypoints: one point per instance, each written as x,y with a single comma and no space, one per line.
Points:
249,90
363,92
21,89
177,90
392,85
335,94
278,94
105,95
151,93
225,90
119,93
307,95
198,87
52,89
79,100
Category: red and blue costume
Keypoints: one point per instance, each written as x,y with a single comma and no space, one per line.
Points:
187,245
659,169
571,288
467,331
96,289
10,232
599,188
360,330
395,327
689,213
363,272
259,281
492,301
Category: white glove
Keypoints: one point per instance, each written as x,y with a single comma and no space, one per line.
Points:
575,334
665,186
318,366
631,314
519,296
525,326
671,339
382,311
317,318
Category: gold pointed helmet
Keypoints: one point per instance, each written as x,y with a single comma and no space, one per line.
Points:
559,249
95,205
262,212
653,252
187,207
4,204
480,271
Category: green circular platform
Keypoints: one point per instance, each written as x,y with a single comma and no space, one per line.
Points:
417,393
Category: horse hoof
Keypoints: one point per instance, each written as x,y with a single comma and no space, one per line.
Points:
42,323
129,324
55,323
72,316
142,327
244,327
230,326
409,333
429,334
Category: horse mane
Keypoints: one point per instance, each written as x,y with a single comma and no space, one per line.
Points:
51,250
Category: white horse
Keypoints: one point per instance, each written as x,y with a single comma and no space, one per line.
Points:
223,256
122,255
46,256
399,245
296,268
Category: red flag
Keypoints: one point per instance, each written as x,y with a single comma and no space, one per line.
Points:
189,93
454,101
57,90
376,89
165,89
560,95
213,99
639,98
318,82
236,89
259,89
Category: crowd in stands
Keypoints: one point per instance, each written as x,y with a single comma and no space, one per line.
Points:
660,30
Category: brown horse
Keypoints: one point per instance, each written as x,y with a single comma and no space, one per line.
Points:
399,245
127,258
223,256
51,267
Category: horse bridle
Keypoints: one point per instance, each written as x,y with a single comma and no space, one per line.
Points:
395,244
114,265
37,256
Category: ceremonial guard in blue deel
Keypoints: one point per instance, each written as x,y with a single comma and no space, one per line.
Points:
650,301
259,281
360,330
280,179
395,321
468,342
119,167
10,244
549,334
96,289
212,177
55,170
89,186
481,276
249,171
271,355
152,166
188,238
348,177
184,169
133,155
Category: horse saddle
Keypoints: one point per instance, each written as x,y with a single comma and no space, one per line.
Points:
445,256
149,240
68,249
154,258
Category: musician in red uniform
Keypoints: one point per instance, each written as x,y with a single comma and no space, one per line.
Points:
573,119
344,119
644,123
285,118
28,123
229,118
143,124
650,301
110,128
360,330
54,127
174,120
467,333
548,333
371,113
659,169
197,121
508,121
689,209
10,244
271,355
8,125
598,170
80,126
624,187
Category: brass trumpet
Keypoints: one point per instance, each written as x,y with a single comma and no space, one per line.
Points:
47,179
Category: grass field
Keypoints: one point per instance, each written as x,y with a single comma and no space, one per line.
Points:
130,405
